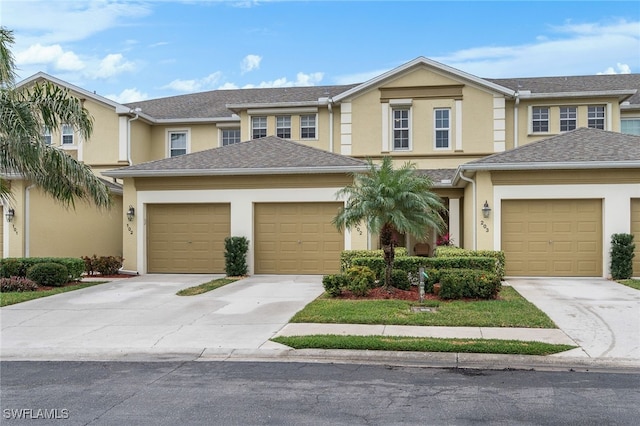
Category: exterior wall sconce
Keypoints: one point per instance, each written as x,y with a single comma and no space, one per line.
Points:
486,210
131,213
10,214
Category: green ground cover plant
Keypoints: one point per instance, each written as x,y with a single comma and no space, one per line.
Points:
631,283
205,287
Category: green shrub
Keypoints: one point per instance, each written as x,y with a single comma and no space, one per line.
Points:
413,263
622,253
11,267
17,284
400,279
469,283
499,266
104,265
235,255
48,274
376,264
347,256
18,266
360,279
334,284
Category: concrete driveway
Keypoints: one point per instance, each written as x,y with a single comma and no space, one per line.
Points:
601,316
143,314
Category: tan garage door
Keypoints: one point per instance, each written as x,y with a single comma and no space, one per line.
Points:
552,237
297,238
187,238
635,230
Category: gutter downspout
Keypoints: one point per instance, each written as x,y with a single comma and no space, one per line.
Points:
515,120
135,111
330,106
27,219
474,210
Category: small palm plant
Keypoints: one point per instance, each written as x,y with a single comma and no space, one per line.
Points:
388,200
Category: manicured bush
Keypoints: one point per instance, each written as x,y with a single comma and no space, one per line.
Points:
334,284
468,283
235,256
376,264
104,265
499,267
400,279
17,284
413,263
48,274
622,254
18,266
347,256
360,279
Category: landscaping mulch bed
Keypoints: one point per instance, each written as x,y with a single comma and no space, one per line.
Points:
393,293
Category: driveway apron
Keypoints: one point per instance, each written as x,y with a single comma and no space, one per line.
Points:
144,313
601,316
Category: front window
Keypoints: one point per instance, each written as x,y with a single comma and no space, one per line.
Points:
258,127
540,120
401,129
630,126
283,126
568,118
177,143
230,136
307,126
595,117
67,134
46,136
442,128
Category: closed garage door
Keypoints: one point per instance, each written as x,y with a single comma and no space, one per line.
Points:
552,237
187,238
297,238
635,230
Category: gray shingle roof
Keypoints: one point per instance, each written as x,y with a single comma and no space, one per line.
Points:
580,147
258,156
437,176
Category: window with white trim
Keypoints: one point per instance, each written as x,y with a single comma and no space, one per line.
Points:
595,117
67,134
283,126
442,126
308,126
568,118
630,126
177,143
400,128
258,127
540,119
46,136
230,136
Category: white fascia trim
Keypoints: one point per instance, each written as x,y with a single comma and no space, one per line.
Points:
277,105
235,172
428,62
196,120
621,94
279,111
557,166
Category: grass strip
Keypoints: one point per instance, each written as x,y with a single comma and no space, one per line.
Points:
13,297
205,287
631,283
511,310
421,344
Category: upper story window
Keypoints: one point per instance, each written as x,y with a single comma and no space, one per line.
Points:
283,126
630,126
67,134
442,126
568,118
540,119
46,136
258,127
230,136
595,117
308,126
401,128
177,143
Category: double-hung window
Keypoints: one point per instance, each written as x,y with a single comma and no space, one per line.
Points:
568,118
401,129
442,126
308,126
46,136
540,119
67,134
283,126
177,143
258,127
230,136
595,117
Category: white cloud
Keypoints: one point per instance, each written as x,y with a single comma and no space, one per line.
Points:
195,85
112,65
228,86
128,95
621,69
54,55
250,63
302,79
358,77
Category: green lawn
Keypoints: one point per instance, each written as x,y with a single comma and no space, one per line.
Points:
208,286
631,283
395,343
511,310
13,297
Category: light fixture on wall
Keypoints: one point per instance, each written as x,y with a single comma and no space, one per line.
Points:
131,213
486,210
10,214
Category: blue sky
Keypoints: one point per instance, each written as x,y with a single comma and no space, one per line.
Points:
134,50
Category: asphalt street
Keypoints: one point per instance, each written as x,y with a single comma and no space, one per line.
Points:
256,393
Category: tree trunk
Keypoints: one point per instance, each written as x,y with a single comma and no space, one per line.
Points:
386,240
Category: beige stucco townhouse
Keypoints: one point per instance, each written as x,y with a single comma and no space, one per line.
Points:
545,169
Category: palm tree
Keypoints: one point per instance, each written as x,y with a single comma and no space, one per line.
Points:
389,200
24,114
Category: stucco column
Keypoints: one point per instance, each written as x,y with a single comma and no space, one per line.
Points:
454,221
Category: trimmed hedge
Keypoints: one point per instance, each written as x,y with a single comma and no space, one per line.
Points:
622,254
48,274
235,256
499,267
413,263
468,283
347,256
334,283
18,266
